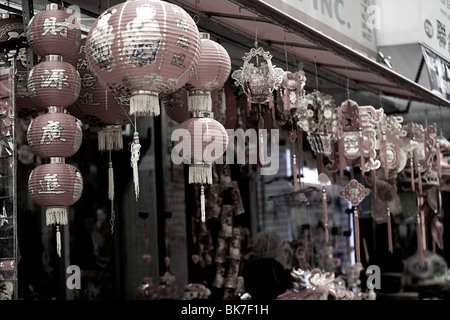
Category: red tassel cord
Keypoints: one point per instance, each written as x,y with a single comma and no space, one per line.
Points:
356,231
420,254
325,214
361,151
389,230
411,166
384,156
366,250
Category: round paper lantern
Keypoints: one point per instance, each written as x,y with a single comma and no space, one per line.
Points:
201,142
212,71
54,31
54,83
97,106
142,48
54,134
56,186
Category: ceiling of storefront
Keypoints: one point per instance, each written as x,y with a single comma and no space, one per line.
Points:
330,66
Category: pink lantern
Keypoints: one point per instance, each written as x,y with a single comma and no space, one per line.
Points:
96,105
142,48
56,186
54,31
201,142
54,82
54,134
212,71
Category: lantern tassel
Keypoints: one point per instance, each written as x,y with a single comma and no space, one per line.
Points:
56,215
199,101
202,204
111,190
144,103
110,138
438,160
58,241
135,154
200,173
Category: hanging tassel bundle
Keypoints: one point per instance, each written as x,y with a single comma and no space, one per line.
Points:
341,151
199,101
135,154
294,171
202,203
144,103
389,230
111,190
110,138
200,173
58,241
438,160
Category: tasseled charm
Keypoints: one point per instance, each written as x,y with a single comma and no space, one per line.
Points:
200,173
135,154
110,138
57,216
202,203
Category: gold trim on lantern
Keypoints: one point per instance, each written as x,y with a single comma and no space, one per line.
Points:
202,114
57,160
53,57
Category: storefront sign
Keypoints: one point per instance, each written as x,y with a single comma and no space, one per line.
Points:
435,26
438,71
351,22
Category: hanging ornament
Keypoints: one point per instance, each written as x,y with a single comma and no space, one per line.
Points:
54,84
291,94
258,81
142,48
354,192
212,71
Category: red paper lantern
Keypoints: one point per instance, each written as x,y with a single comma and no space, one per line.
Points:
54,31
201,142
212,71
55,186
54,83
142,48
54,134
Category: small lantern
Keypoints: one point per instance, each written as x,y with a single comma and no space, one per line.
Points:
54,31
54,134
211,73
54,82
204,140
56,186
142,48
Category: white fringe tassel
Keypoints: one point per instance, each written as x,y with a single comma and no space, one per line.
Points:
202,203
110,138
56,215
58,241
144,104
111,192
135,154
199,101
200,173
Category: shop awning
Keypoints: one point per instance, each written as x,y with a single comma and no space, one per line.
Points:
270,25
